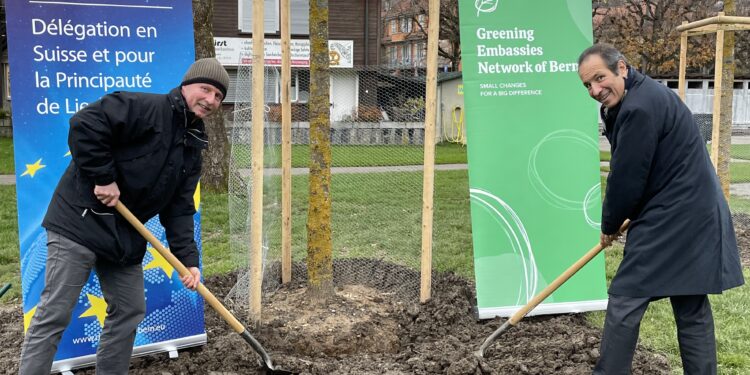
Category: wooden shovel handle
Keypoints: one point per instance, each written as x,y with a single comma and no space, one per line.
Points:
181,269
561,279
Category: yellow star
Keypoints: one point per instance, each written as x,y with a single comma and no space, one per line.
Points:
31,169
98,309
27,318
197,196
159,262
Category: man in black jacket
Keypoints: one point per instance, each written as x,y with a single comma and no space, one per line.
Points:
681,241
145,150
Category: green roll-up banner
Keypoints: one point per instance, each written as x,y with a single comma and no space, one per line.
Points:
533,154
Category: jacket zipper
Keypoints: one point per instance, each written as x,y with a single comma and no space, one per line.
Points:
101,213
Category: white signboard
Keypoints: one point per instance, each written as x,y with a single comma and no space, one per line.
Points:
238,51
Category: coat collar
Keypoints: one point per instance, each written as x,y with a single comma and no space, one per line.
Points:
632,79
176,99
178,105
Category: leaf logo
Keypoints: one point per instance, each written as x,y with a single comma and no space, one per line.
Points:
486,6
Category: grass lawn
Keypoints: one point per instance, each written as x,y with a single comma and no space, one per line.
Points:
9,261
738,204
359,225
739,172
6,155
362,156
739,152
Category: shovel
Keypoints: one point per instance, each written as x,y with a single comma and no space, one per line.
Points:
201,289
520,314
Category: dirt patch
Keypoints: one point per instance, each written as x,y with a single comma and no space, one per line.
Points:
365,330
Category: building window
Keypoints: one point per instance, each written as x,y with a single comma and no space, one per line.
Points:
421,51
406,25
405,54
392,58
422,19
394,24
270,16
299,17
387,5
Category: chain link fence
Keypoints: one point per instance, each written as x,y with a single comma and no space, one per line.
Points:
739,175
739,186
377,145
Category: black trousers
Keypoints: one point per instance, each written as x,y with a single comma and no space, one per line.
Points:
695,334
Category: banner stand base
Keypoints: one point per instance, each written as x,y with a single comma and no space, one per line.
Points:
544,309
65,366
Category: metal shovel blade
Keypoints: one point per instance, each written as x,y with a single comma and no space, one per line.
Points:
480,353
267,362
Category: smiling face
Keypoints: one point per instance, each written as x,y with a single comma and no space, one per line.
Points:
202,99
604,86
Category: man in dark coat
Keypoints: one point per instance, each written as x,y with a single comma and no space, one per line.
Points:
681,241
143,149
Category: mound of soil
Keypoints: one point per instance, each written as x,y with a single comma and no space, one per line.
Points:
366,330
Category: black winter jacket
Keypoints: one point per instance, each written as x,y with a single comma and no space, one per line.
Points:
150,144
681,240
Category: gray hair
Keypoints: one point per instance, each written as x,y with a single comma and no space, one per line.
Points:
607,52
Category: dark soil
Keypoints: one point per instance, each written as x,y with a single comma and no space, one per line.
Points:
363,330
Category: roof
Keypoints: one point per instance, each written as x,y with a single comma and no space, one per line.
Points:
447,76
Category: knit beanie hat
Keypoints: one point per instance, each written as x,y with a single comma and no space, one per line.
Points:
207,70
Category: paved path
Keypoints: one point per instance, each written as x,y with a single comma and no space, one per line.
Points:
742,190
11,179
350,170
603,143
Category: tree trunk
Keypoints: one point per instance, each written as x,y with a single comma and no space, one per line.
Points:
216,158
727,91
319,242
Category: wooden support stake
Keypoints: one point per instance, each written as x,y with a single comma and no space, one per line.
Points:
429,150
286,147
720,19
683,64
716,131
256,166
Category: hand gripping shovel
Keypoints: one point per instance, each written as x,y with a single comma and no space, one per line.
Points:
202,290
545,293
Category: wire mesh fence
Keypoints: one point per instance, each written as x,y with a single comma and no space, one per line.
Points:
738,178
377,145
739,183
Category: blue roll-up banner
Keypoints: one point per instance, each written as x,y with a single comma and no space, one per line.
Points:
63,55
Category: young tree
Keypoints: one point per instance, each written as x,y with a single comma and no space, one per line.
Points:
727,92
319,242
742,41
216,158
